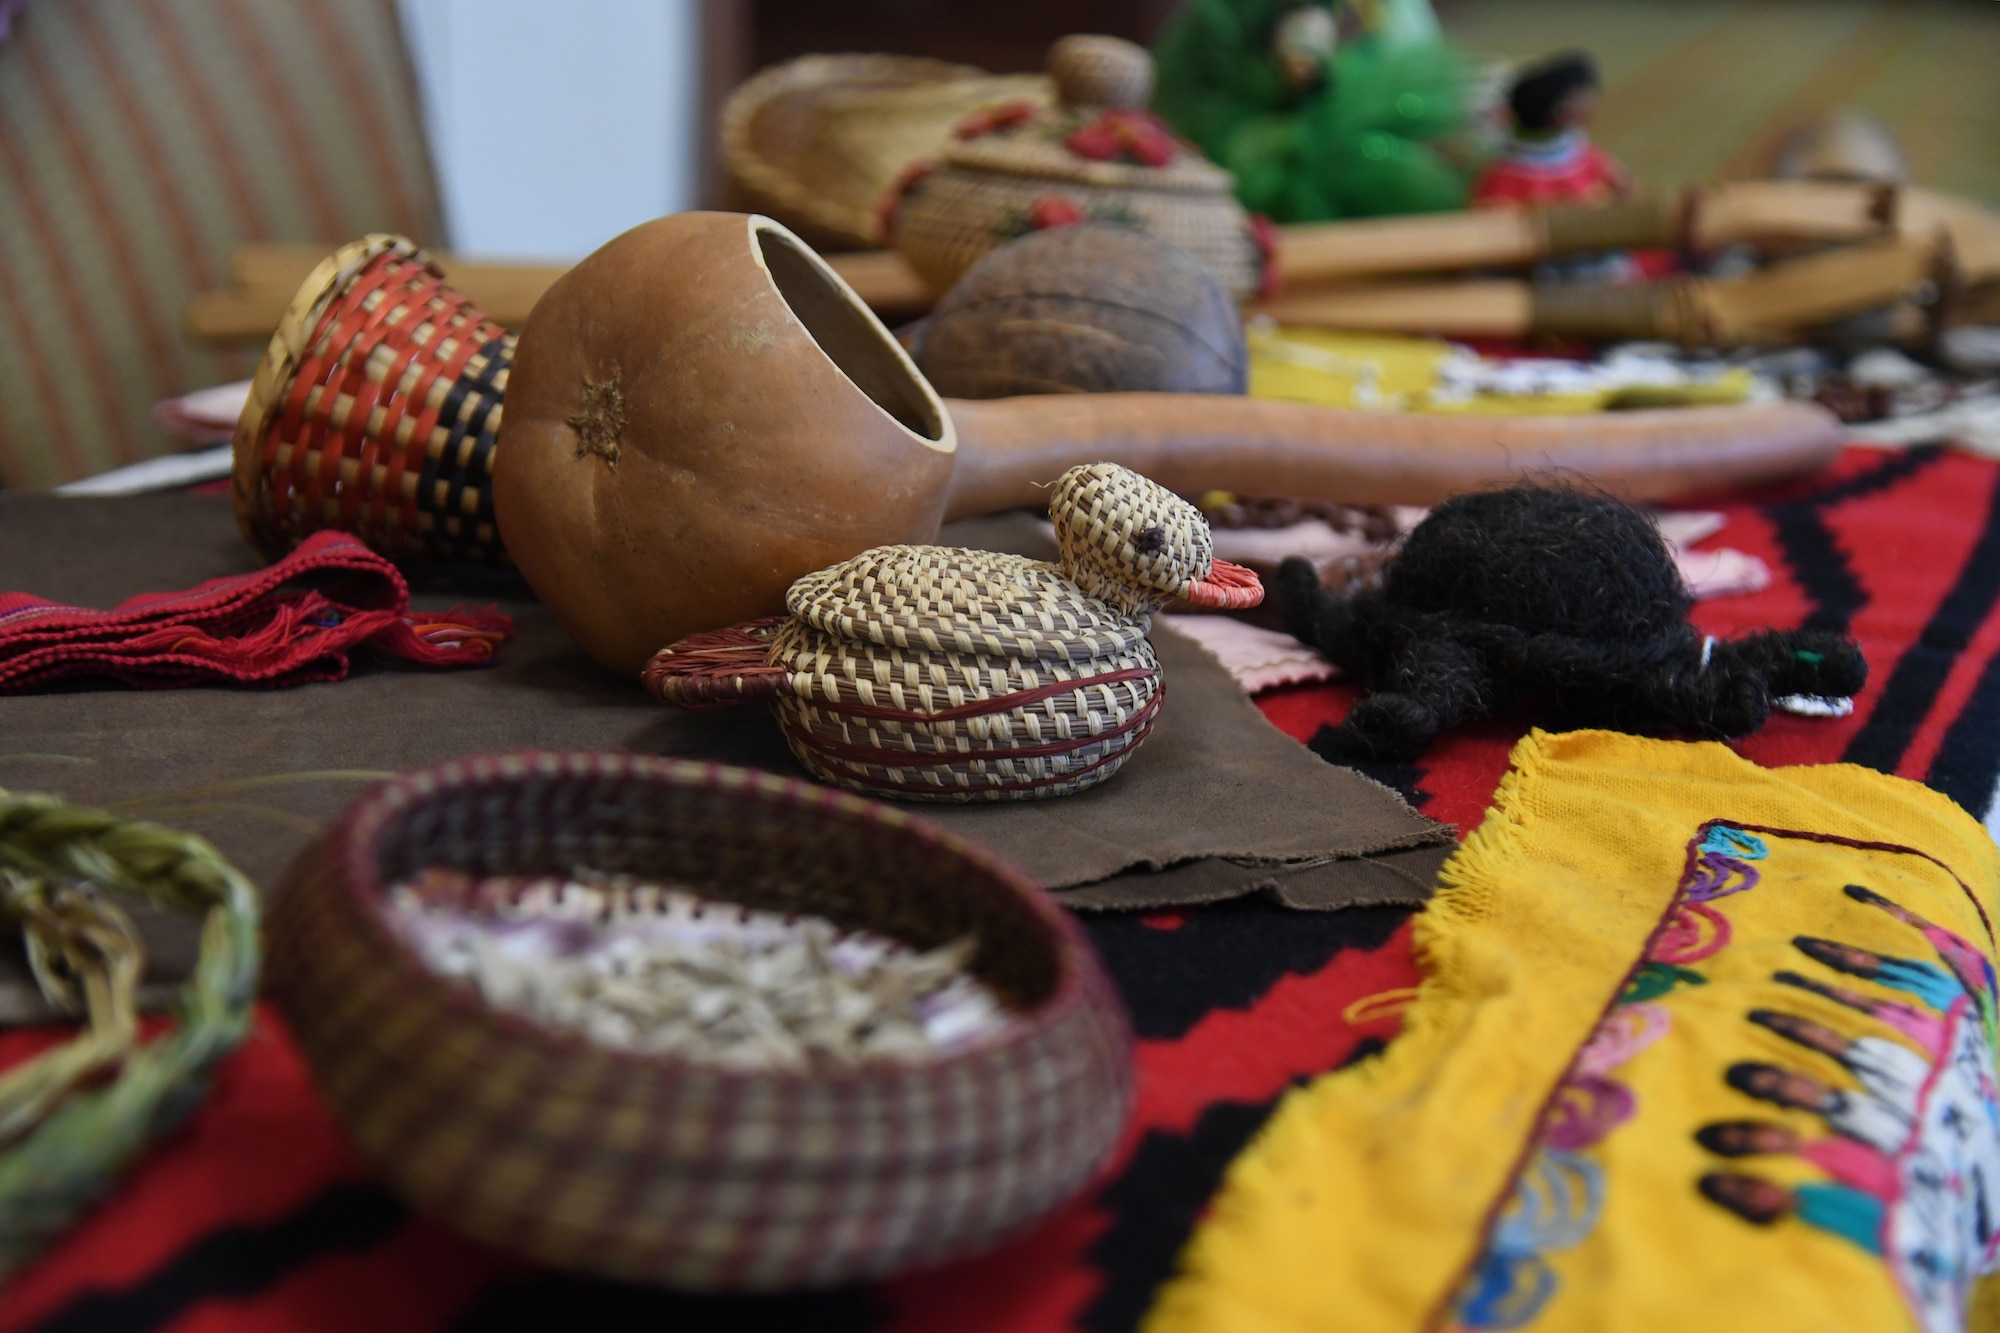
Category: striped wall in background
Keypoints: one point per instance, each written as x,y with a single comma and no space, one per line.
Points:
142,141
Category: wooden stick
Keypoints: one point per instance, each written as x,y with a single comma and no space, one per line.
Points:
1769,305
267,276
1496,308
1010,448
1316,258
1701,218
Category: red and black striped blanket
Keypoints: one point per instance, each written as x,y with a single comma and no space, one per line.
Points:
257,1216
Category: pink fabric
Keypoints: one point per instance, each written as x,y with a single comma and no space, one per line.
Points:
289,624
1852,1162
1921,1027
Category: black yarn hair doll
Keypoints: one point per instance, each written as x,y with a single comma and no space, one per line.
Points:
1549,594
1539,92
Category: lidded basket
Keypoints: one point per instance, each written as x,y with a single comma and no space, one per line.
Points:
1097,157
963,701
667,1168
816,141
375,411
940,674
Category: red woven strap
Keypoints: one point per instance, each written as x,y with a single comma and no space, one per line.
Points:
719,669
1230,587
292,622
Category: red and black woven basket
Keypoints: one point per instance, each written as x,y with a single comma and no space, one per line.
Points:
375,412
665,1169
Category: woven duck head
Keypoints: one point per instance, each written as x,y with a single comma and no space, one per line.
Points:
936,674
1135,544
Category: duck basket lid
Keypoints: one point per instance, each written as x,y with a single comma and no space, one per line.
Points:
939,599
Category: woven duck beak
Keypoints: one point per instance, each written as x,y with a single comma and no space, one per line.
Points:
1228,587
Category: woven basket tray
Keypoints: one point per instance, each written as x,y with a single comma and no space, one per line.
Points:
375,411
668,1170
816,142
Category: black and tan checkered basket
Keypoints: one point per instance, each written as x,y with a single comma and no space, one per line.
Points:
660,1169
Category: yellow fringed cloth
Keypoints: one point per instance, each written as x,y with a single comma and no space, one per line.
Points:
1699,1045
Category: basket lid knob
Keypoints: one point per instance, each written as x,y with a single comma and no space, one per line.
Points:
1091,70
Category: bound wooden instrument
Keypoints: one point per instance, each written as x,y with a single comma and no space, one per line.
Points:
1379,273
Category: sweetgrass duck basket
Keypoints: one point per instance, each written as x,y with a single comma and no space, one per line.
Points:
671,1170
879,688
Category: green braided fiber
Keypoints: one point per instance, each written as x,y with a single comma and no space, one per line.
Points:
56,1170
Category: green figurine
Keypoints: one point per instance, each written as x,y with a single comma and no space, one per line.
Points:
1314,127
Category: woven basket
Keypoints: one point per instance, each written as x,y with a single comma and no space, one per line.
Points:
374,412
923,711
816,142
994,186
929,673
669,1170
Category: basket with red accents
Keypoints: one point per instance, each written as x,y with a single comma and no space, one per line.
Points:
375,412
936,674
665,1166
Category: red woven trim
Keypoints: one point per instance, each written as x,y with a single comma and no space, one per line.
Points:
336,365
385,499
888,758
1231,587
999,703
719,669
866,780
345,362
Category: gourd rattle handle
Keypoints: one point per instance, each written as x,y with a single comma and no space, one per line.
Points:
1010,449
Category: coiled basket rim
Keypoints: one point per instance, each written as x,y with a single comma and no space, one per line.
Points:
356,843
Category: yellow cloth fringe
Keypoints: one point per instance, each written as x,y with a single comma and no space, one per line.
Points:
1365,1201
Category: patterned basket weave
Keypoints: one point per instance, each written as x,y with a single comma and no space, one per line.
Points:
1003,684
1003,181
928,673
662,1169
816,141
375,411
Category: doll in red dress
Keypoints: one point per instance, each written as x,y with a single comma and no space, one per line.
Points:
1551,160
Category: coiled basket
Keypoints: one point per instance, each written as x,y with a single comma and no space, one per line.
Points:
670,1170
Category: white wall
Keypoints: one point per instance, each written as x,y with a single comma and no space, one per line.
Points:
557,124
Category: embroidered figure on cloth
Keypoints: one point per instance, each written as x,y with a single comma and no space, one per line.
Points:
1910,1148
1914,1150
1511,1281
